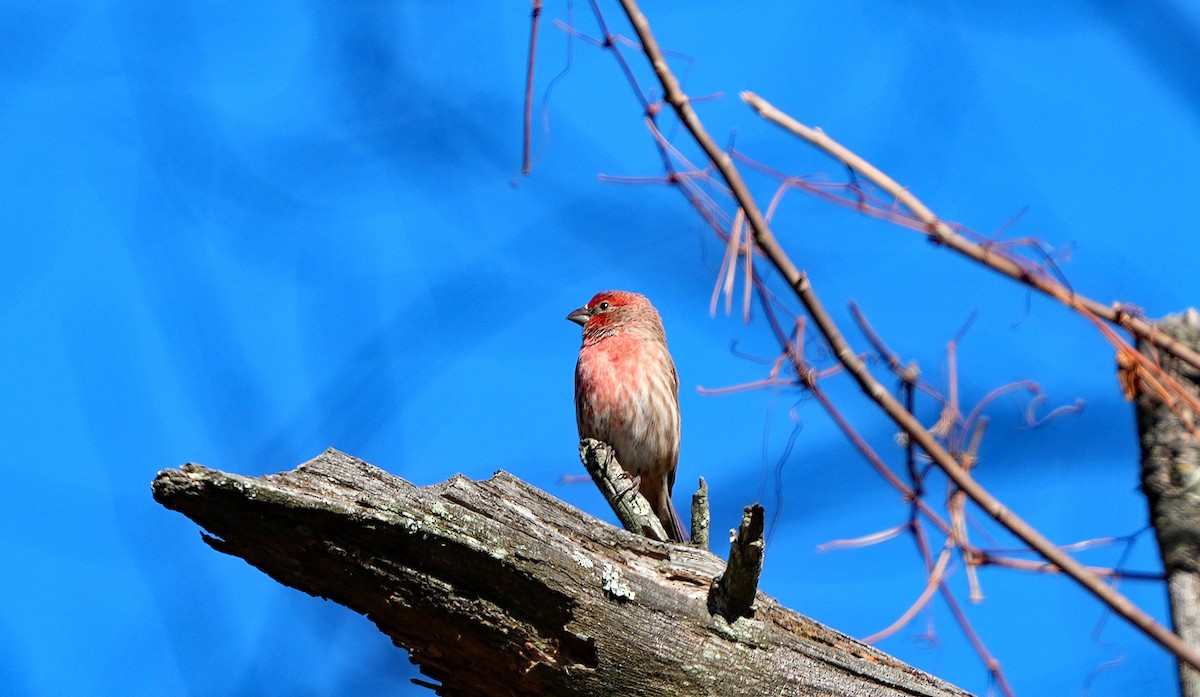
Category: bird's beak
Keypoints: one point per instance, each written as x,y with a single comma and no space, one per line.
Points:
580,316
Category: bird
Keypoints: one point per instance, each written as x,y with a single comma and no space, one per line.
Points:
627,394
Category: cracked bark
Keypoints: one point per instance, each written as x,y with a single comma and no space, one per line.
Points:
497,588
1171,482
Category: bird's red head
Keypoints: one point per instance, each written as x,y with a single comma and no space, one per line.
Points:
609,308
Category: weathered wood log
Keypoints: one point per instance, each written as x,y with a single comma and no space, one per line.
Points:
1171,481
497,588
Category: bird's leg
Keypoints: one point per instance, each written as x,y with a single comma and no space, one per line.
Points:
635,483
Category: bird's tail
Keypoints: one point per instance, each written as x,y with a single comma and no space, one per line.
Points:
669,516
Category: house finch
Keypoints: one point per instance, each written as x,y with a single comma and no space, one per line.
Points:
627,394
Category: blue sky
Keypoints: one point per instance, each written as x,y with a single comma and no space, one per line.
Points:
238,233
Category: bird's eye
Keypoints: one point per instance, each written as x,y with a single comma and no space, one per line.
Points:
603,307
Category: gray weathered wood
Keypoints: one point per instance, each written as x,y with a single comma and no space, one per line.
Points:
1171,482
497,588
617,487
701,517
733,593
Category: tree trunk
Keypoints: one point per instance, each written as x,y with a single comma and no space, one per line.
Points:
497,588
1171,482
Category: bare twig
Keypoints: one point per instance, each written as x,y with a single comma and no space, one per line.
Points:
865,540
960,617
936,576
987,558
993,665
944,234
536,15
857,368
969,459
909,374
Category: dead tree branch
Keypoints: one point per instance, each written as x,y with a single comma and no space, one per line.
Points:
992,257
799,283
497,588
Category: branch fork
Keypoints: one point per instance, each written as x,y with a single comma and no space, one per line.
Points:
801,286
731,594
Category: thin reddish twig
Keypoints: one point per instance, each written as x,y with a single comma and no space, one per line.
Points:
988,559
936,577
864,541
989,661
942,233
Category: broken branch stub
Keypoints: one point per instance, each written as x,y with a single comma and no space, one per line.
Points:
701,516
732,595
